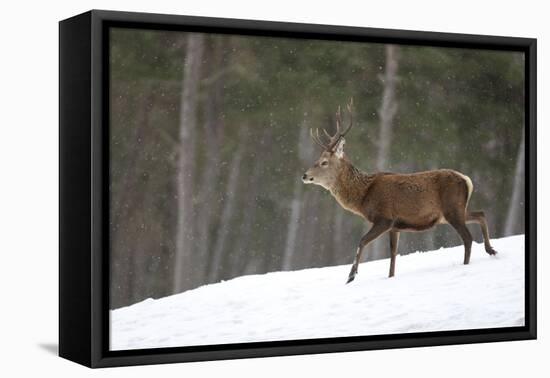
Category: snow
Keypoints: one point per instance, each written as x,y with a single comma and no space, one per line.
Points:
432,291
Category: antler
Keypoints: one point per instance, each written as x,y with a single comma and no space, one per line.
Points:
317,138
334,139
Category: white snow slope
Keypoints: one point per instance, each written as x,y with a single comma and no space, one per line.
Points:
431,291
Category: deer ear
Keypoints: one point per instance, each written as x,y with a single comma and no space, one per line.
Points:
339,151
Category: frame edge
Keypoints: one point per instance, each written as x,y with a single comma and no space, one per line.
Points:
75,273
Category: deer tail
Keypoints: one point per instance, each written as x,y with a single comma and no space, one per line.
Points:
469,186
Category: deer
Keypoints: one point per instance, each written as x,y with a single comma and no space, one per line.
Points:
394,202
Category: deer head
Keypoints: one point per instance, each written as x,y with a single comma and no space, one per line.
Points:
325,170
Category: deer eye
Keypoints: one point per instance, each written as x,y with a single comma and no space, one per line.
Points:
324,163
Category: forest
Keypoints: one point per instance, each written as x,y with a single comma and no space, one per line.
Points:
209,138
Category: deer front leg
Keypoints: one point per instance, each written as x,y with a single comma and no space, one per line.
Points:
377,229
394,241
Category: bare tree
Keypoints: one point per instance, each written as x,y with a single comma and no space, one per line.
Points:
337,233
304,149
295,209
213,134
518,191
388,108
238,265
183,269
229,201
125,206
309,242
386,113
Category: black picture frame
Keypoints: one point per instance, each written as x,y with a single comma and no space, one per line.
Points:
83,196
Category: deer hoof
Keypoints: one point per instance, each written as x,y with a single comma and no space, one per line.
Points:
491,251
352,273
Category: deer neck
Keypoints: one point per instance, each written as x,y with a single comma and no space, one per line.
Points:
350,187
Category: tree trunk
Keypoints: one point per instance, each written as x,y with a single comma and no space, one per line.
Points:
240,265
310,242
337,234
124,206
388,108
230,197
295,210
183,267
213,134
518,190
296,203
386,112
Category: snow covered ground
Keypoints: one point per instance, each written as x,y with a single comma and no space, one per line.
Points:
431,291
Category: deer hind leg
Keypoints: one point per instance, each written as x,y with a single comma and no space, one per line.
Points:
458,221
377,229
479,218
394,241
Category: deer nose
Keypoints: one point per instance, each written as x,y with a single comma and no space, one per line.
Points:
304,177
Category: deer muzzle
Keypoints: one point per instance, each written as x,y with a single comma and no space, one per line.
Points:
307,179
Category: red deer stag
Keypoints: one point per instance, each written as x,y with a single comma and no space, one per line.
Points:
394,202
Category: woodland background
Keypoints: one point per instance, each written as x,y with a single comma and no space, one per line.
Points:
209,139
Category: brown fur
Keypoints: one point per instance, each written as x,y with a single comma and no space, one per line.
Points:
395,202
